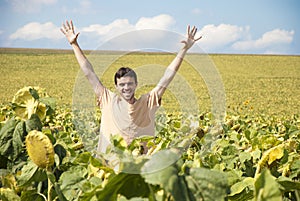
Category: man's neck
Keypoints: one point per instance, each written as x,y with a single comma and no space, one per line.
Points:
131,101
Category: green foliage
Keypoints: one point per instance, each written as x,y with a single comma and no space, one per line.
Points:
248,158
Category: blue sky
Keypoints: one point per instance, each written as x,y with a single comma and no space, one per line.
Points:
231,26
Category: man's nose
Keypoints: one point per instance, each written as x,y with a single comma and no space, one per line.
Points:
126,86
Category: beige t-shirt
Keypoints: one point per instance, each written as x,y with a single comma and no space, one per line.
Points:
129,120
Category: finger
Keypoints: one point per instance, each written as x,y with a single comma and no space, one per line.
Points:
188,30
184,42
194,31
72,27
64,26
62,30
198,38
191,31
68,25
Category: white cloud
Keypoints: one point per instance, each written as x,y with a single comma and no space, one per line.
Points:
232,38
127,35
35,30
216,37
98,33
30,6
267,41
158,22
121,26
116,27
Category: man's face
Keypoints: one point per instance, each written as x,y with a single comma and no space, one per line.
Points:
126,86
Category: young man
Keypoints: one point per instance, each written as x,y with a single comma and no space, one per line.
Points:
121,112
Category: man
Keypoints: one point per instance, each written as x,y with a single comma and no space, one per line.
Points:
121,112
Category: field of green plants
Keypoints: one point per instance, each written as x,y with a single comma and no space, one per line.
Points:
46,146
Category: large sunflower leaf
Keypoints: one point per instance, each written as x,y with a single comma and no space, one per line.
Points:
18,139
6,135
162,170
266,187
208,184
31,172
128,185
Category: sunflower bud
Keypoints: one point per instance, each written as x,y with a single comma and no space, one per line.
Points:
40,149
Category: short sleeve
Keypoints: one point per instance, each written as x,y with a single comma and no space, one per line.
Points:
154,100
105,98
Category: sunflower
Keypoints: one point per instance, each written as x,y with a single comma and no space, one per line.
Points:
40,149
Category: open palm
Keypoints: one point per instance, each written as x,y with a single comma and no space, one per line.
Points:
190,40
68,30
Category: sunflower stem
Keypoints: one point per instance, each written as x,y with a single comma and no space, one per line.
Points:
49,190
49,185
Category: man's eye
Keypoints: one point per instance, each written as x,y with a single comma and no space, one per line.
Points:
121,85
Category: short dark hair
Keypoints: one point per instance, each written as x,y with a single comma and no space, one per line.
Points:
123,72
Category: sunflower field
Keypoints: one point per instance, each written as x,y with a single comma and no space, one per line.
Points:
47,149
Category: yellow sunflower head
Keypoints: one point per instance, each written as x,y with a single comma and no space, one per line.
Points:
26,103
40,149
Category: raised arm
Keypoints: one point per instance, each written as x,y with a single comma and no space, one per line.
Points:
175,64
68,30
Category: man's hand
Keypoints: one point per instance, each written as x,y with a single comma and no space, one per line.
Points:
68,30
189,42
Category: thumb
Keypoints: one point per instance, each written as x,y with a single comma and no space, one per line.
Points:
76,36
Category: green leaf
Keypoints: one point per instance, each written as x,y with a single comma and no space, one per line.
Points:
7,194
59,192
288,184
240,186
132,165
30,173
233,176
70,181
83,158
161,160
134,186
162,170
96,162
295,168
30,195
3,162
128,185
61,152
266,187
18,138
244,156
34,123
6,135
242,190
50,103
208,184
34,93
